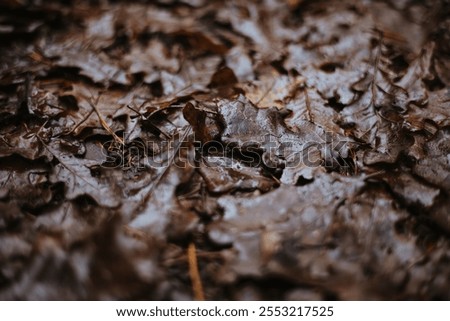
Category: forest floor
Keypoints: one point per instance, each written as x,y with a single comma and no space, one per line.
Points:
224,150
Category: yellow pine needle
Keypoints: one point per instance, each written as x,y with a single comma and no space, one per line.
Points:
194,273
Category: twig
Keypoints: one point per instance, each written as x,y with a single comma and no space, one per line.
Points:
152,185
79,124
194,273
104,124
171,160
136,111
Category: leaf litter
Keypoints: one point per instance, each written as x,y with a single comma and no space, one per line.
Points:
277,150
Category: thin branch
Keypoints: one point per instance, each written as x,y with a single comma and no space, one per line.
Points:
150,187
172,157
104,124
80,123
194,273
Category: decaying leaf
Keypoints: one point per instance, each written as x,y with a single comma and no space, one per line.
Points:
244,150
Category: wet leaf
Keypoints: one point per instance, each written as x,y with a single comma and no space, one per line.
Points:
84,177
263,150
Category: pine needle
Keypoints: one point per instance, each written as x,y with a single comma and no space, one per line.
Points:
105,125
194,273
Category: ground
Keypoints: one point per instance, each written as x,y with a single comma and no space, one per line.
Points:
224,150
